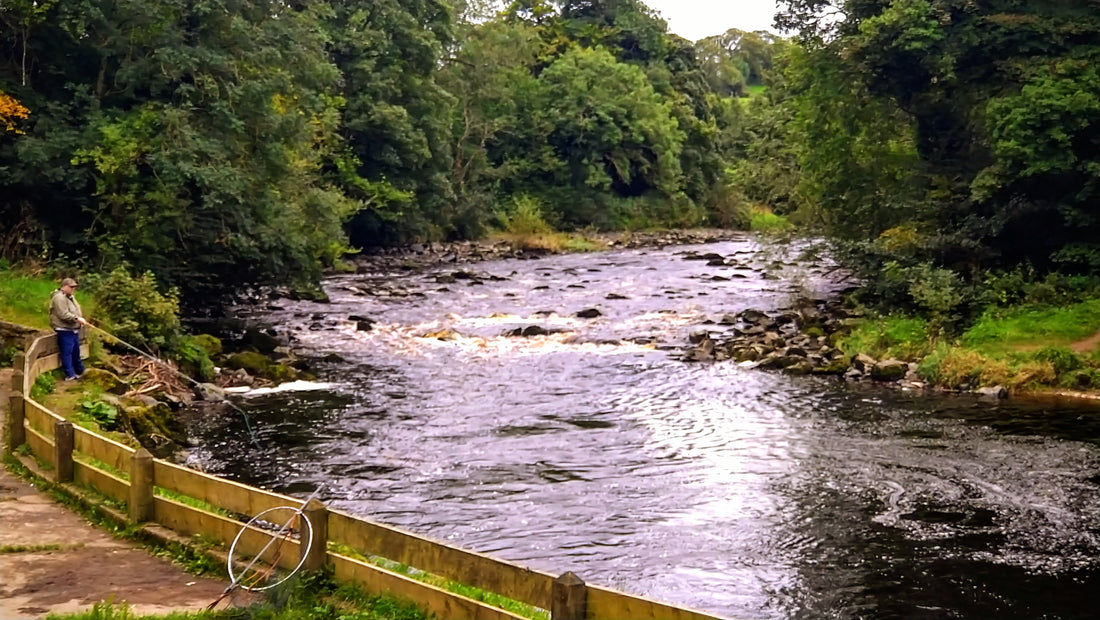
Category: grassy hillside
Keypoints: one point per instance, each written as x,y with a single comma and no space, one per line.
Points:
25,298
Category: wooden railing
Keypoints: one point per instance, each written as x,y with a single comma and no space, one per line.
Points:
82,456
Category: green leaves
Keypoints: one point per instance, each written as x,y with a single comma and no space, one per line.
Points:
104,414
132,309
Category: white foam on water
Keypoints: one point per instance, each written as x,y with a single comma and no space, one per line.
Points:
291,386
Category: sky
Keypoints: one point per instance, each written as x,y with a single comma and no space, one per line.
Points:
696,19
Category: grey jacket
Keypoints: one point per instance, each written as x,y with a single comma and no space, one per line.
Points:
64,311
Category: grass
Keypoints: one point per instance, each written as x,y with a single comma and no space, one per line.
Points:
890,336
490,598
313,596
25,298
65,398
1001,331
1022,348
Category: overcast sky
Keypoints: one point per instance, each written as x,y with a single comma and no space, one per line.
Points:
695,19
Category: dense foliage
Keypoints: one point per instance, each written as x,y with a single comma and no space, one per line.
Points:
227,142
947,139
220,143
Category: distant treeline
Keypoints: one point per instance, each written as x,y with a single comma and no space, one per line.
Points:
221,142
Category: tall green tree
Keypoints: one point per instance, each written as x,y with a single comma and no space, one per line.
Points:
396,121
609,131
1000,98
184,139
490,75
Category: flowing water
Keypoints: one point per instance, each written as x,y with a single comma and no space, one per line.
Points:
740,492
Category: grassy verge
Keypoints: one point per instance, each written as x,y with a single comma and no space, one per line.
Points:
1023,348
313,596
25,298
490,598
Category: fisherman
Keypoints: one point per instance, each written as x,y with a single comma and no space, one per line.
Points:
66,319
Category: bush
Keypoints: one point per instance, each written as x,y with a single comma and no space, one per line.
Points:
7,354
964,367
1062,359
103,413
135,311
44,385
194,359
1024,286
525,218
761,219
727,207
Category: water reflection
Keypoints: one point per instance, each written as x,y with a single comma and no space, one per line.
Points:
743,493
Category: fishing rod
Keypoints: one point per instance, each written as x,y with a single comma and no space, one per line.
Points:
157,360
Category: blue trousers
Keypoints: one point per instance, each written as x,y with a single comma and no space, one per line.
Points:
68,344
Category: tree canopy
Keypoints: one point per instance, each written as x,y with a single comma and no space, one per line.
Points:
221,143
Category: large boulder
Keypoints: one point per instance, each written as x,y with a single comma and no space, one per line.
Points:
255,363
702,352
262,341
109,381
864,362
154,426
889,370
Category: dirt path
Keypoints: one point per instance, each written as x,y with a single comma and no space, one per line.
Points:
1088,345
52,560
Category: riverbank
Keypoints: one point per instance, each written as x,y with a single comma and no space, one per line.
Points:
1024,349
829,337
426,255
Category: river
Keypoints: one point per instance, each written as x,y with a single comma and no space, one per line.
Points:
743,493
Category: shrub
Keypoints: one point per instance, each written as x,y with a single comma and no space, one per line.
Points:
525,218
727,207
103,413
194,359
7,354
955,367
44,385
1062,359
761,219
959,367
134,310
937,291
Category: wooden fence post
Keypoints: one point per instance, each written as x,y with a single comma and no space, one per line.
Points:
63,450
17,434
569,598
141,486
317,553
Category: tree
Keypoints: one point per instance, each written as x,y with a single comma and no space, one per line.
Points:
487,75
999,96
11,112
608,131
182,139
396,121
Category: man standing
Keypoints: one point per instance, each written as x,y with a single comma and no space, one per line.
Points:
66,319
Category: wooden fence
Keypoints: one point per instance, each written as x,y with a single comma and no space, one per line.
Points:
72,451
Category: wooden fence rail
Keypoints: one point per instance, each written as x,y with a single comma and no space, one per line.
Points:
133,476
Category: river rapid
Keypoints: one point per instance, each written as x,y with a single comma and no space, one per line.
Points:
593,448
